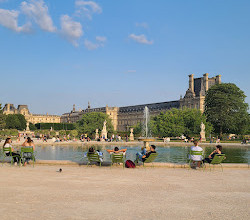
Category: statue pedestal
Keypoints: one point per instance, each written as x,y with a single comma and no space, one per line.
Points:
104,135
203,136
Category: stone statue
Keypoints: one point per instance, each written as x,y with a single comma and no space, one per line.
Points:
27,126
96,134
202,127
203,133
131,134
104,130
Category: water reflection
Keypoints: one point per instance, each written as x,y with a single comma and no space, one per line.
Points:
170,154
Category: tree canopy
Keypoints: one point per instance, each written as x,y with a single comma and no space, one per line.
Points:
226,110
2,118
92,121
176,122
15,121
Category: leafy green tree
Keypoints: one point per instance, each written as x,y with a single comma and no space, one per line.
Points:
15,121
2,118
74,133
92,121
192,122
32,127
169,124
176,122
138,129
226,110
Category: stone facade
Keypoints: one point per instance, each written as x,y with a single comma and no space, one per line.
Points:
31,118
195,95
125,117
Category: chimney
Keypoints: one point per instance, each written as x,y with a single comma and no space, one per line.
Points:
205,78
8,107
191,82
218,79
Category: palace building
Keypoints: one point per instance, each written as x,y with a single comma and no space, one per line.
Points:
32,118
125,117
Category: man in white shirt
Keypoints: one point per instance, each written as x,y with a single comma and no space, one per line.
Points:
196,158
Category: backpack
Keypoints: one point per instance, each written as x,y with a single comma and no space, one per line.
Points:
129,164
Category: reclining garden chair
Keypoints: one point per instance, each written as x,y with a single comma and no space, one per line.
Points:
217,160
94,157
196,153
118,158
28,153
150,159
9,149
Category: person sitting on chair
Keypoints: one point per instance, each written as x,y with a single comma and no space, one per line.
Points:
139,155
144,157
218,150
117,151
92,151
7,144
152,150
196,158
28,143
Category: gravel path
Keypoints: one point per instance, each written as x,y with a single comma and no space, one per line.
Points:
103,193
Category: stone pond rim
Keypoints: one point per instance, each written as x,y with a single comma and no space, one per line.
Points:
147,139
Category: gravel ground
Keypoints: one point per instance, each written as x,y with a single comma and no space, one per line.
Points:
81,192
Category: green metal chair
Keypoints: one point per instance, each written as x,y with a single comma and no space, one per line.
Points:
150,159
118,158
94,157
196,153
28,153
217,160
9,150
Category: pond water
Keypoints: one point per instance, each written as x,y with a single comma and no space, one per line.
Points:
169,154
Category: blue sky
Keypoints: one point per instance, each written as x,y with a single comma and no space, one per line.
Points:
55,53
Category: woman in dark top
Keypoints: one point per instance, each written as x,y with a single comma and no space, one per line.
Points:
218,150
152,150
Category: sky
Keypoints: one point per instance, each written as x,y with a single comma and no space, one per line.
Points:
56,53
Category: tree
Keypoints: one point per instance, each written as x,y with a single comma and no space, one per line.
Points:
92,121
176,122
169,124
2,118
225,109
15,121
32,127
192,122
74,133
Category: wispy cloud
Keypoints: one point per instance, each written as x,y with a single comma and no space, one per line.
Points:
100,41
131,71
142,39
142,24
87,8
38,11
9,19
90,45
71,30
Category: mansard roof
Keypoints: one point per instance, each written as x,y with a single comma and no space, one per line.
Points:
152,106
